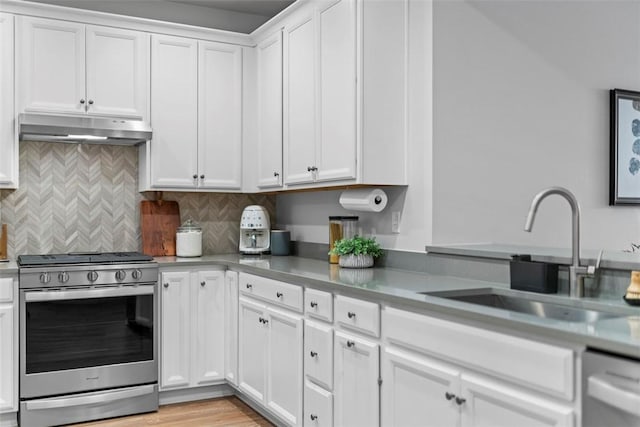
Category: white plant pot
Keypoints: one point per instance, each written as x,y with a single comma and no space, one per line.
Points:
356,261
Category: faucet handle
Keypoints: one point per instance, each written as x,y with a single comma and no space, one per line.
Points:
591,270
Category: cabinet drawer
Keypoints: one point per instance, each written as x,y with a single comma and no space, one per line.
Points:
537,365
279,293
318,353
362,316
318,304
6,289
318,406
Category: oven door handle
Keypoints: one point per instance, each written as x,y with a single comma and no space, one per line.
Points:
90,398
618,391
34,296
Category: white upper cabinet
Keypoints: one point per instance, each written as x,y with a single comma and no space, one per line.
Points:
196,115
220,116
8,143
300,100
68,67
320,94
174,112
336,148
269,54
344,95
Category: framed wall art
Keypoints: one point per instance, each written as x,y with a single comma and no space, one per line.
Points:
624,169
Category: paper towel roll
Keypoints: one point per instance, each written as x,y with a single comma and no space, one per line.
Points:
365,199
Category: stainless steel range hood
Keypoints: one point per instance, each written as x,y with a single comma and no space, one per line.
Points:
83,130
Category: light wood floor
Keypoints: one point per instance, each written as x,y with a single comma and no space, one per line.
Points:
225,411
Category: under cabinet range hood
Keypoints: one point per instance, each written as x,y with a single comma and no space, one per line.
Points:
83,130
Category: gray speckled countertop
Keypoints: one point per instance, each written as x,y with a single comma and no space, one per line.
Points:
402,288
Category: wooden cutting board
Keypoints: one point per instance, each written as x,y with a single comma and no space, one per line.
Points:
159,221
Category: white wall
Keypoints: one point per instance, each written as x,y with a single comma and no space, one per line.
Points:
520,104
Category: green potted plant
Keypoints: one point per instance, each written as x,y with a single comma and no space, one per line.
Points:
356,252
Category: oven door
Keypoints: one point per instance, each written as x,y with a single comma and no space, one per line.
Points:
81,339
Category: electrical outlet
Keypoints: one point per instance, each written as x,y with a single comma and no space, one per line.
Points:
395,222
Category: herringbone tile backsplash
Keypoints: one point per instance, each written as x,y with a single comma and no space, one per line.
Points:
85,198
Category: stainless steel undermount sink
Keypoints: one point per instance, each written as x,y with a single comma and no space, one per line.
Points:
525,305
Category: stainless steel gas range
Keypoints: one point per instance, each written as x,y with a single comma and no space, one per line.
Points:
88,336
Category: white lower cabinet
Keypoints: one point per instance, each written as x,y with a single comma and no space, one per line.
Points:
356,375
192,325
8,345
417,391
270,358
231,327
420,391
318,406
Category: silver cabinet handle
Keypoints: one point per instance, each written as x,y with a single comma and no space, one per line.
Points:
350,343
351,315
449,396
460,400
313,304
313,353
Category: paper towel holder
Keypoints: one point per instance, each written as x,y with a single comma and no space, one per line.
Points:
364,199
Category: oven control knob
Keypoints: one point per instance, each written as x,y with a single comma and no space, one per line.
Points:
136,274
120,275
63,277
45,277
92,276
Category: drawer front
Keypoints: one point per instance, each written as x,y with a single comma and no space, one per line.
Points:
6,289
318,406
361,316
537,365
273,291
318,353
318,304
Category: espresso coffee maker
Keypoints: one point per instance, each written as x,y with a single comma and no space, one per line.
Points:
255,235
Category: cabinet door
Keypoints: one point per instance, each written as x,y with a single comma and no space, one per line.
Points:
318,353
51,65
336,148
174,112
299,101
8,145
318,406
231,327
175,362
284,365
117,72
219,116
8,387
418,391
491,404
270,112
356,389
252,342
207,342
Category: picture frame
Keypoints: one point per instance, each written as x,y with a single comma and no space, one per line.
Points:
624,164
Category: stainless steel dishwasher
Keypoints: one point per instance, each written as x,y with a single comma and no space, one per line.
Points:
611,390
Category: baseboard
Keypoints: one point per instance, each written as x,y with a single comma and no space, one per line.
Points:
9,419
197,393
256,406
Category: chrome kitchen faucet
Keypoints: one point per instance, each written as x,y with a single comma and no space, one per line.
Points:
577,272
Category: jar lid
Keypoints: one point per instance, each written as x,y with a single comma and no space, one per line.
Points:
189,226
